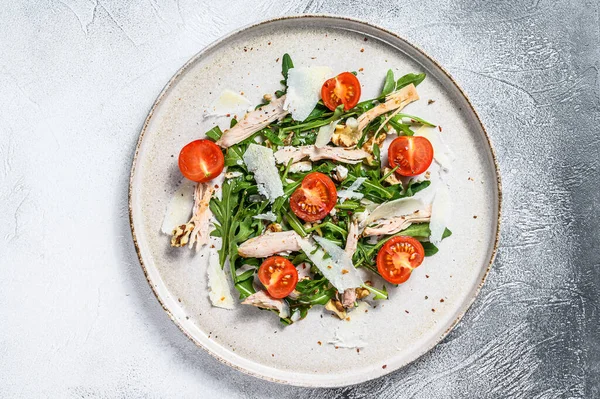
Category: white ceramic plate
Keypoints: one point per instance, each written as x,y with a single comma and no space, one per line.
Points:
400,330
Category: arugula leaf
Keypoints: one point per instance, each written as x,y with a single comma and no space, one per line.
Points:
410,78
245,288
389,85
379,294
314,292
286,65
429,248
215,133
414,119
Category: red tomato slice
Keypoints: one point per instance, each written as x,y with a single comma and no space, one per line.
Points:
201,161
343,89
412,155
278,275
398,257
315,198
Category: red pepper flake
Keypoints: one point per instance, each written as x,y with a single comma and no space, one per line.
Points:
277,60
442,300
269,43
430,101
357,350
366,39
427,276
433,310
272,354
440,128
426,297
319,342
337,347
228,115
361,69
179,300
348,318
216,186
242,93
384,366
344,271
474,216
362,50
406,311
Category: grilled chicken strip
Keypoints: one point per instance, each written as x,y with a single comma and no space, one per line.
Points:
196,230
352,241
262,300
314,153
270,244
394,225
253,122
394,101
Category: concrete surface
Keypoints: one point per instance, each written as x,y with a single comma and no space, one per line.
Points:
77,77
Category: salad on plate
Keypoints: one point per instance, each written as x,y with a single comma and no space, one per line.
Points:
313,194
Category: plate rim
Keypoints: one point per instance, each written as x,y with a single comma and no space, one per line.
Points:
170,84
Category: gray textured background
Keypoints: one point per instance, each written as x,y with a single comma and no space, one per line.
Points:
77,77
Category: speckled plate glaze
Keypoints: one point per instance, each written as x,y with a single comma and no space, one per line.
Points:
421,312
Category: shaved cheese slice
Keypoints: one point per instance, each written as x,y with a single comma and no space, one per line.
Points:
261,162
219,292
269,216
440,213
338,268
304,89
229,103
179,210
325,134
441,153
350,192
399,207
352,332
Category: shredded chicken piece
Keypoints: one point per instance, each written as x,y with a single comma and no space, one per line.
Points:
253,122
303,270
337,308
352,241
196,230
262,300
314,153
270,244
394,101
302,166
392,226
348,298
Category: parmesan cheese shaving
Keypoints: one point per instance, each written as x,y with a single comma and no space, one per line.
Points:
353,331
269,216
350,192
219,291
261,162
325,134
304,89
440,213
180,207
338,268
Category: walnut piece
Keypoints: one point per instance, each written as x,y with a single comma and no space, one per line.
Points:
181,234
337,308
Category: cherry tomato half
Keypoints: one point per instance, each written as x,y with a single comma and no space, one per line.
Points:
278,275
411,154
315,197
398,257
343,89
201,161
